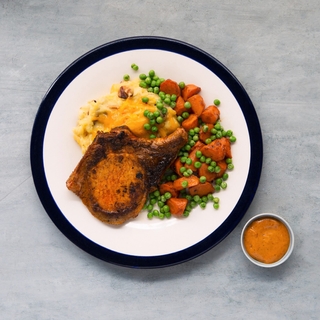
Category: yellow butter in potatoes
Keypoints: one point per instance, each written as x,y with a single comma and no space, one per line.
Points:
122,106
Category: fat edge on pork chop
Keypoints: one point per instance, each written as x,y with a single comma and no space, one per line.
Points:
119,170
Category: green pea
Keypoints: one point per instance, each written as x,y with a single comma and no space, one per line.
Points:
134,67
216,206
186,213
173,97
216,102
233,139
188,161
224,185
146,112
150,215
154,129
183,169
203,205
197,199
184,184
156,193
126,77
230,166
218,181
203,179
208,160
187,105
208,141
197,164
152,136
217,169
185,115
147,126
181,85
203,159
216,200
160,204
210,169
145,99
167,214
156,89
225,176
143,84
142,76
161,215
159,120
155,213
167,195
198,154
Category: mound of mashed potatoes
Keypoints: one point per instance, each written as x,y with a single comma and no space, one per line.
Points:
122,106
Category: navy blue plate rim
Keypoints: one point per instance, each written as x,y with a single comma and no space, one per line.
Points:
109,49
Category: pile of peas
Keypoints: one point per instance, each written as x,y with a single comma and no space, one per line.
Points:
156,203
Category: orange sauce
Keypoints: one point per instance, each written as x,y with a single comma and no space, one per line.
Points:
266,240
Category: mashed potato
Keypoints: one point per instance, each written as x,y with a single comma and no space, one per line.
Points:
111,111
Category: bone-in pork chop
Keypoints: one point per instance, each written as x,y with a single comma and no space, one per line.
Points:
119,170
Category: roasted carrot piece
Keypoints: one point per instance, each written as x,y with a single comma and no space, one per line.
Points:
203,136
177,165
177,206
197,104
223,168
180,108
189,90
210,115
193,156
227,145
191,122
203,171
191,182
198,145
202,189
168,187
216,150
171,87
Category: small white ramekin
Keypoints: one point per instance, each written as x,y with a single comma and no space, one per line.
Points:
290,248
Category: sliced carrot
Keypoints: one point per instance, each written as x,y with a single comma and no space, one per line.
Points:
171,87
189,90
227,145
203,171
180,108
210,115
223,168
198,145
177,206
203,136
177,165
193,156
168,187
202,189
191,122
197,104
215,150
191,182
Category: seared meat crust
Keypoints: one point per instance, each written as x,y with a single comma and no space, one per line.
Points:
119,170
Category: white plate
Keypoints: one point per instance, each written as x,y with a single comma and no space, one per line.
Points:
54,153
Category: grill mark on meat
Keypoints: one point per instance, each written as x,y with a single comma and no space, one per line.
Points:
119,170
